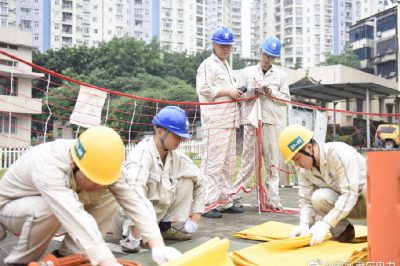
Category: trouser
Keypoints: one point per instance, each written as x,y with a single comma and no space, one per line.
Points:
34,222
324,199
177,212
270,153
218,163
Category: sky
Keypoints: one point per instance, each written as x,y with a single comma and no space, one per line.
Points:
246,5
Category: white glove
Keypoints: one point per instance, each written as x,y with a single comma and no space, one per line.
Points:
191,226
300,230
319,231
163,254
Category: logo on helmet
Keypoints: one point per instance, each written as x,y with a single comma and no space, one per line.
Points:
79,149
226,35
273,45
295,144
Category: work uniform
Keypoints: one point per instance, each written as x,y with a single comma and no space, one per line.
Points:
272,117
337,191
219,123
38,195
176,188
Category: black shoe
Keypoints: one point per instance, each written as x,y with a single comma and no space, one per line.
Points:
233,209
57,254
212,214
347,235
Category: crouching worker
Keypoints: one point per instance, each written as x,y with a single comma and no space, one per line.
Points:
169,179
332,184
74,184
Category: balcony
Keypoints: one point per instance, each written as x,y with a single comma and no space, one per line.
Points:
386,57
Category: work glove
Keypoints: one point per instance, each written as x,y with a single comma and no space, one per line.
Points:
300,230
319,231
191,226
163,254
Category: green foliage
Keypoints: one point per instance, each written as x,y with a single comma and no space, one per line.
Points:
125,65
346,58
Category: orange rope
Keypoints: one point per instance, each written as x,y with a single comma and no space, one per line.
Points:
75,260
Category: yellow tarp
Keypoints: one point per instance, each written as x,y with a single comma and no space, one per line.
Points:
285,251
212,252
326,253
276,230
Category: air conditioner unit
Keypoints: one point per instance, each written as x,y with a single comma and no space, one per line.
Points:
378,33
11,9
392,74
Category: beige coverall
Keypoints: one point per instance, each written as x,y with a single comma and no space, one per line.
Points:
219,123
335,192
176,188
38,195
272,115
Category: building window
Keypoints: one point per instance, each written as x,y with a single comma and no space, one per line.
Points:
5,85
388,46
386,23
362,32
3,22
36,37
5,124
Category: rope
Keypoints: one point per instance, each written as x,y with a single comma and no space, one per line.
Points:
75,260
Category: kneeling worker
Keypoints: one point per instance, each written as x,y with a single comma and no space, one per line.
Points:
74,184
332,184
169,179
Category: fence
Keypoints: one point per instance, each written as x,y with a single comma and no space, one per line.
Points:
192,148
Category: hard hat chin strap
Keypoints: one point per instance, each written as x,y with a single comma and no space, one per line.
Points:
310,155
162,139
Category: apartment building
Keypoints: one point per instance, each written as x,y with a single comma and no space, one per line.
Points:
375,41
17,105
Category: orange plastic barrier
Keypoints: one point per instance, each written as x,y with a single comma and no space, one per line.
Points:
383,209
74,260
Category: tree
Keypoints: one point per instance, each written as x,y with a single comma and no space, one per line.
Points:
346,58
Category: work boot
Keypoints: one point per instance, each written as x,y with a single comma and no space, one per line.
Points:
130,245
347,235
233,209
57,253
214,213
175,234
3,232
276,205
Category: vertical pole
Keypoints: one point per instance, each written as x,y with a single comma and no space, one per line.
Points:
262,197
334,120
368,123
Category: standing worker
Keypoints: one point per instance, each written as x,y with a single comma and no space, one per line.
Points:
74,184
215,83
169,179
332,184
268,81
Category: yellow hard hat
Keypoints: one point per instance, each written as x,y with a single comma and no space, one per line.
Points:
292,139
99,153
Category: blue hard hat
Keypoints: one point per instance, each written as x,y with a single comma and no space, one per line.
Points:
174,119
272,46
223,35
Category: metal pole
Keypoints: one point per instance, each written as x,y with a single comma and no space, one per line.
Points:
334,120
368,123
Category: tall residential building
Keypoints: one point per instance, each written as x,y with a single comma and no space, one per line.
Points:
87,22
227,13
17,105
375,41
309,29
179,25
28,15
304,27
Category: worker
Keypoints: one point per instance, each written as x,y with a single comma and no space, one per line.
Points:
332,184
168,178
267,81
74,184
215,82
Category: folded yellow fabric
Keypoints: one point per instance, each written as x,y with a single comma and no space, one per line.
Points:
276,230
267,231
265,254
212,252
